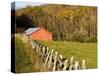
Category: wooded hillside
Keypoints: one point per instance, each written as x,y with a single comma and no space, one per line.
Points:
71,23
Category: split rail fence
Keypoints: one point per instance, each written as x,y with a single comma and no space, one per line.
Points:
52,59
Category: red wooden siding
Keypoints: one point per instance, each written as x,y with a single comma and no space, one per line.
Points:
41,34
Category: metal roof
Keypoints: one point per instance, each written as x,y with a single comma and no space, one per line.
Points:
31,30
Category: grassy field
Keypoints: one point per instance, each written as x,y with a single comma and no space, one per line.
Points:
87,51
27,60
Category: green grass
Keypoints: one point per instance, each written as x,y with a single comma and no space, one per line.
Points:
28,61
87,51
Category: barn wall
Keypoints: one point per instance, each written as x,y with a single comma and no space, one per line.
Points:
42,34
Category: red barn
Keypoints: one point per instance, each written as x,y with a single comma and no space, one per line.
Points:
39,34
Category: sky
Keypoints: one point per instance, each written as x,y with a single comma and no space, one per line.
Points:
20,4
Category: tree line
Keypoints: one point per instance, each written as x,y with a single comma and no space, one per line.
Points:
65,22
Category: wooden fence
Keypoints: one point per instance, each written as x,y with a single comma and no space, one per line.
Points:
52,60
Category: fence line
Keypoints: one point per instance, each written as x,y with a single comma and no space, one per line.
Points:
53,60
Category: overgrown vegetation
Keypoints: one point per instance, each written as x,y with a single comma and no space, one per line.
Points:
71,23
26,59
87,51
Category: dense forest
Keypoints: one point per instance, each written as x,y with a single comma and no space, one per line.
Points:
65,22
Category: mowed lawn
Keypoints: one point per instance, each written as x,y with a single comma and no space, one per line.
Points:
87,51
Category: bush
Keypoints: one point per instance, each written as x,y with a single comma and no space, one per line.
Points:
93,39
79,37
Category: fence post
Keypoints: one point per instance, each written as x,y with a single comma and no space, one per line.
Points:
55,61
61,56
76,65
65,65
60,60
50,58
40,50
83,64
43,51
47,50
71,63
33,45
47,58
37,48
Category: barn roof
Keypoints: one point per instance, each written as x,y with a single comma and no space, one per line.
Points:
31,30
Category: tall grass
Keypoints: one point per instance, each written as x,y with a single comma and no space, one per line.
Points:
22,61
27,60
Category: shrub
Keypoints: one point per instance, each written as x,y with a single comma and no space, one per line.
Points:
79,36
93,39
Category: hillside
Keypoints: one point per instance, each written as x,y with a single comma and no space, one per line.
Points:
65,22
